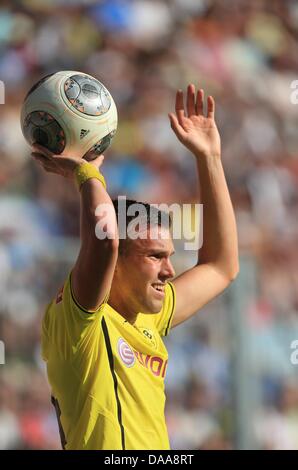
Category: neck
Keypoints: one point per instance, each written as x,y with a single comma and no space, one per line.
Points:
117,302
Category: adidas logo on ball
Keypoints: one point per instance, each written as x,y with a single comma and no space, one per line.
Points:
83,133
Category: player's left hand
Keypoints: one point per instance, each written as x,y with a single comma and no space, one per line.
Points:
60,164
196,131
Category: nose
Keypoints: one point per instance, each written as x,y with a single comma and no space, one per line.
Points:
167,269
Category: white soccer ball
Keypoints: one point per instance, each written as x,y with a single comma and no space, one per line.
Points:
71,113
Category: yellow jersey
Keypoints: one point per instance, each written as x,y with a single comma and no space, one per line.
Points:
107,375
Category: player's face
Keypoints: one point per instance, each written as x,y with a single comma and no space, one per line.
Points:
144,270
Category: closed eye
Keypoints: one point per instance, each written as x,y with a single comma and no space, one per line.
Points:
160,255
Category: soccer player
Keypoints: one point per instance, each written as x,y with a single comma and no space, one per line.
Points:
102,334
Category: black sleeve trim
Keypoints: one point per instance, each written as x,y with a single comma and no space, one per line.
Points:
111,362
172,312
80,306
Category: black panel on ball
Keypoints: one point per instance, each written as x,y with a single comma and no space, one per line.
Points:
40,137
36,85
99,147
41,128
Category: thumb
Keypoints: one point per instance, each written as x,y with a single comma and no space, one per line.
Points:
98,161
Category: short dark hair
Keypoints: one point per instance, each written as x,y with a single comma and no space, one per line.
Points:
154,216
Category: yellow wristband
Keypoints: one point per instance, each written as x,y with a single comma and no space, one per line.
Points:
85,171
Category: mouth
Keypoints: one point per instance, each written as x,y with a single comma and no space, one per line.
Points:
159,289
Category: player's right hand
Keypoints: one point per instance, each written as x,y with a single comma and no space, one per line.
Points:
60,164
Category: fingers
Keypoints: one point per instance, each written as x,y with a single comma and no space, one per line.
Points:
98,161
47,165
194,104
39,149
176,126
190,100
210,107
39,157
179,106
200,102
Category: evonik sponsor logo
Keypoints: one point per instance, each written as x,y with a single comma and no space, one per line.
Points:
155,364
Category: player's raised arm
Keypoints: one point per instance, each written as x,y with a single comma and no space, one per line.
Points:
218,257
94,269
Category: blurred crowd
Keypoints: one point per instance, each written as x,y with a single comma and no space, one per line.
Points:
244,53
